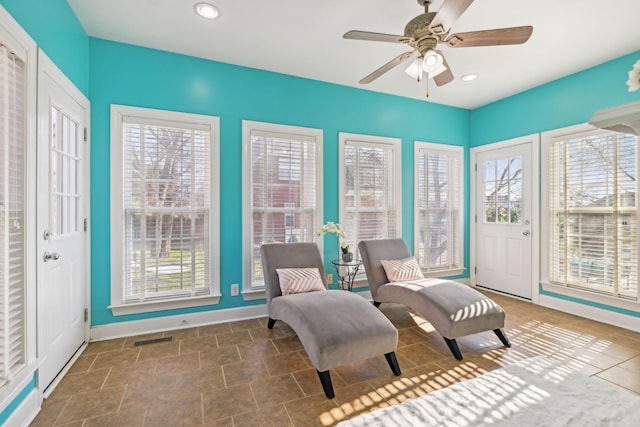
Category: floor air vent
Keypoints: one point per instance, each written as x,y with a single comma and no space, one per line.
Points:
152,341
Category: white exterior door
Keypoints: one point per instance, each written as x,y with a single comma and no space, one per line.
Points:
504,219
62,241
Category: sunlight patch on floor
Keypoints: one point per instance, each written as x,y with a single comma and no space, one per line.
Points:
401,389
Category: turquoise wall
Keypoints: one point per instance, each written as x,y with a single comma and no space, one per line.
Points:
568,101
136,76
57,31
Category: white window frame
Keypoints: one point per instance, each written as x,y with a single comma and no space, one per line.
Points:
547,224
13,36
252,291
456,264
380,142
118,306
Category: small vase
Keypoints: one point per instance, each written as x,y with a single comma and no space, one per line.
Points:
348,257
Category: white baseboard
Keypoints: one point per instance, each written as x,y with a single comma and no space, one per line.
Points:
180,321
26,412
590,312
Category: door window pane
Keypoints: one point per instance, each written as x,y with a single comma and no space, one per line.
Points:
64,174
503,190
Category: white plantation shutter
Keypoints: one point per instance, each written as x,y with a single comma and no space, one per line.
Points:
12,224
282,181
370,182
593,212
166,200
438,206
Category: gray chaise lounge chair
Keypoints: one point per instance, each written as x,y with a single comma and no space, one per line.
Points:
335,327
454,309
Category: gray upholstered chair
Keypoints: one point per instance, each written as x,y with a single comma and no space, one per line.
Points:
335,327
454,309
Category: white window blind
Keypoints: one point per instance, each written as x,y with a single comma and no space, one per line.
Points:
370,182
593,213
167,201
282,190
12,224
438,207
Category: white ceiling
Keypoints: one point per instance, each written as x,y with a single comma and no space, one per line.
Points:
304,38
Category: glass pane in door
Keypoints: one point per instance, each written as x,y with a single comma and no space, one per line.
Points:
65,173
503,190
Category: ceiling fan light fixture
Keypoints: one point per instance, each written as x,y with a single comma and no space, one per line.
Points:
469,77
415,69
432,61
206,10
433,64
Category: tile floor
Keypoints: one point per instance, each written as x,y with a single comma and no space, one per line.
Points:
243,374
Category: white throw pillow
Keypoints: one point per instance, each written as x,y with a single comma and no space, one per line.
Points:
401,270
298,280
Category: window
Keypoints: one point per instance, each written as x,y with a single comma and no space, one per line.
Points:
502,203
282,187
17,209
438,208
164,209
370,183
12,221
591,222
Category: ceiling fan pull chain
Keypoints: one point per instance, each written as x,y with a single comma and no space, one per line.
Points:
427,94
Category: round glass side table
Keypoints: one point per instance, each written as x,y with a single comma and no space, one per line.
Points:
346,272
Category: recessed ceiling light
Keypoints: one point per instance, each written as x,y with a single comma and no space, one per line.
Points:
469,77
206,10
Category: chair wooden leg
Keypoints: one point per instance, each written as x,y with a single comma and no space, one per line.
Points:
271,323
325,380
453,346
503,337
376,304
393,362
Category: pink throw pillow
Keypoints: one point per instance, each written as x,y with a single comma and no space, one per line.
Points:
298,280
401,270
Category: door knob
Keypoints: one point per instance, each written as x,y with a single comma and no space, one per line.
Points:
526,233
51,256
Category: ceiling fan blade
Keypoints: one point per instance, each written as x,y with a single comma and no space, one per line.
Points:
446,76
386,67
376,37
497,37
448,14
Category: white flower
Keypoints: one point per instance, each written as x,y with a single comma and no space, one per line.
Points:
634,77
331,228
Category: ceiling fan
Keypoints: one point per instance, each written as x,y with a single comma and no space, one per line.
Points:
425,31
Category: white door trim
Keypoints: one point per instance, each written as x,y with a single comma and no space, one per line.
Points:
534,139
47,67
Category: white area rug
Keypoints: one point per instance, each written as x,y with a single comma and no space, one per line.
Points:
533,392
